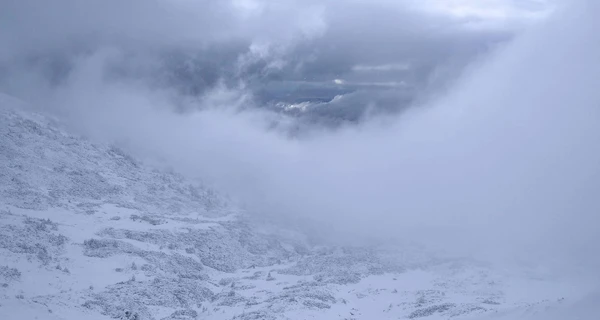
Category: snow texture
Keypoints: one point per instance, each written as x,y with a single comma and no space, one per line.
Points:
88,232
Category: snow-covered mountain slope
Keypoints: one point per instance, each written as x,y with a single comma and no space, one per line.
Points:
88,232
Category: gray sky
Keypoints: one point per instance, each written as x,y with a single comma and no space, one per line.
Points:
193,45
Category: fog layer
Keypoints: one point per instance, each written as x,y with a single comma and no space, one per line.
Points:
503,164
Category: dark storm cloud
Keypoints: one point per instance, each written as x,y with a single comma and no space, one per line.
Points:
396,36
193,46
34,25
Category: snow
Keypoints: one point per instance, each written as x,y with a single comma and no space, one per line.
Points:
87,232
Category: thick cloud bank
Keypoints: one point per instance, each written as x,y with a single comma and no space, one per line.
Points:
502,164
293,57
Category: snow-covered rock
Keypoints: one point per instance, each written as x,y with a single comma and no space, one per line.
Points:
88,232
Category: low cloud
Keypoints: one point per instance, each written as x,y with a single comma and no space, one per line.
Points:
501,164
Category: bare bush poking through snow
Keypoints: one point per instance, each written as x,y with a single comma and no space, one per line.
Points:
9,274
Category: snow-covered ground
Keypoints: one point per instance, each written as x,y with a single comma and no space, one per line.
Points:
88,232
